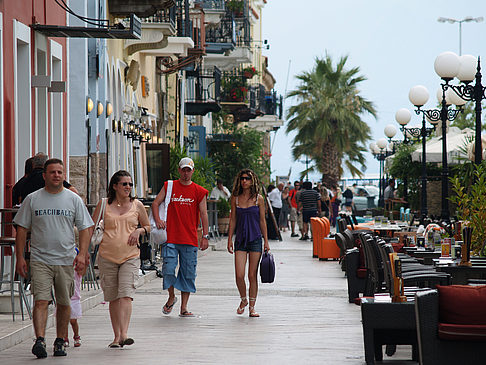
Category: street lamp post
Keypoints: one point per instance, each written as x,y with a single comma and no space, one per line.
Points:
419,96
465,20
390,132
403,116
469,70
380,152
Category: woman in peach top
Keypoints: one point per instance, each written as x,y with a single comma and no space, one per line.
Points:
118,255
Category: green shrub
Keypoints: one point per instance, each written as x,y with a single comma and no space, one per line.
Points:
224,208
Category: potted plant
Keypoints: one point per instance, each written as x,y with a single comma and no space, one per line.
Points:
235,6
471,207
234,88
224,209
249,72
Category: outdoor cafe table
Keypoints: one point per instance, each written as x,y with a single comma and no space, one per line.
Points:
426,256
461,274
383,230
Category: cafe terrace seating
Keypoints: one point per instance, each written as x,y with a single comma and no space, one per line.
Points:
377,264
451,325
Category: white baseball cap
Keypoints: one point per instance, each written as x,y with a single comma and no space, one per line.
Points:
186,162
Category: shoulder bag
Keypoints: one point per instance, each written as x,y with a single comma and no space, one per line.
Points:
159,236
99,229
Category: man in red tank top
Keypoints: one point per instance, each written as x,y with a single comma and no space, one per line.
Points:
187,204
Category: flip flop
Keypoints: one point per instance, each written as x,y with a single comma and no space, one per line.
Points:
114,345
186,314
127,341
166,309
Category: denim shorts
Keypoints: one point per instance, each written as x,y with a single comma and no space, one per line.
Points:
186,257
252,246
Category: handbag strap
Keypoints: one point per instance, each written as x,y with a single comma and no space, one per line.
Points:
101,215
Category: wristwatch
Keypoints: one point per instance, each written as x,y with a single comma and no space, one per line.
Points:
206,236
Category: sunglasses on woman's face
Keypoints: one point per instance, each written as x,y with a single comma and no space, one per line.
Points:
126,183
247,178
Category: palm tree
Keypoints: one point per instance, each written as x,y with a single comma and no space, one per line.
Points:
327,119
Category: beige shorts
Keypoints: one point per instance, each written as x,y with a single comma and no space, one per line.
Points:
118,280
293,214
44,276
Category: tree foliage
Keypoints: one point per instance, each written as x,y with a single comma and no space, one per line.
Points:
467,119
327,119
203,168
240,148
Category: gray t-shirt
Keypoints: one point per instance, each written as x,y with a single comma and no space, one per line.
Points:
51,219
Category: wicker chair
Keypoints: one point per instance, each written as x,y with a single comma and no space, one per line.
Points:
432,349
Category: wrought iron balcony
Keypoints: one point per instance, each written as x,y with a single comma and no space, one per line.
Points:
245,101
231,32
163,17
272,104
216,5
203,88
141,8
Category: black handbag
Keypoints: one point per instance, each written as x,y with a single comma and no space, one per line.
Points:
267,268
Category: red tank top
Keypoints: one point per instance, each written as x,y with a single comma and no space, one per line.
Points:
183,213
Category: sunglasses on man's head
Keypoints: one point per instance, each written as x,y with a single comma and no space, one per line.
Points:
126,183
245,178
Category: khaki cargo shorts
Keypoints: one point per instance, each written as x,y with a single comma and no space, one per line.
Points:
118,280
293,214
44,276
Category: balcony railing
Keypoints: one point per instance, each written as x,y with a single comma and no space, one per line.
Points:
162,16
203,91
272,104
142,8
216,5
231,32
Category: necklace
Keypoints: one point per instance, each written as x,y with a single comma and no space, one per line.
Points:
118,203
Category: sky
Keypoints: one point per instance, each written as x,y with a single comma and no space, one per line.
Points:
394,43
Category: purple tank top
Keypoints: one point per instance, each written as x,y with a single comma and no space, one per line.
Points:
247,224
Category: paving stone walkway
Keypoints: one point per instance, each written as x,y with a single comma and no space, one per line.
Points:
305,319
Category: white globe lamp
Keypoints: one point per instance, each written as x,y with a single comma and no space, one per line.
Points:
447,65
418,95
381,143
403,116
467,70
390,131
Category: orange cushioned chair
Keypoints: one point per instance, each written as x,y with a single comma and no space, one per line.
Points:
316,235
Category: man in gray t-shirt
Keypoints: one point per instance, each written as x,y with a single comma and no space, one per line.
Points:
50,214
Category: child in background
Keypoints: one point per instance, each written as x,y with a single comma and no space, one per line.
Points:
76,311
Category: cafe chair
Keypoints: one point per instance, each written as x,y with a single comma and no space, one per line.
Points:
451,325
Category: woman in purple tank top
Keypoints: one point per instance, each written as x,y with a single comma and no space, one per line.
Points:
247,221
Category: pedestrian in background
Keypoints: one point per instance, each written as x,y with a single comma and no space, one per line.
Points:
187,204
283,221
325,201
16,190
51,213
348,200
293,208
309,205
247,220
220,191
125,219
335,203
